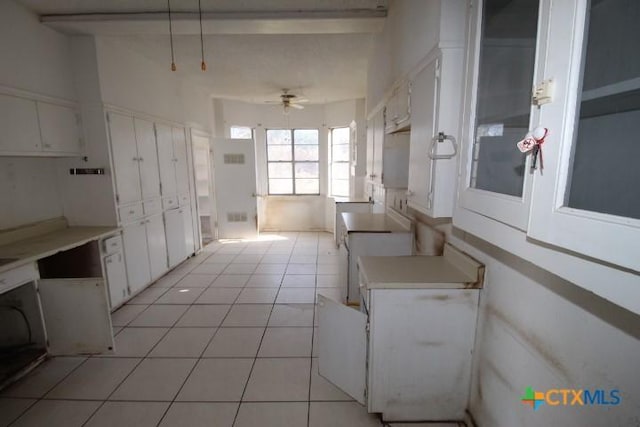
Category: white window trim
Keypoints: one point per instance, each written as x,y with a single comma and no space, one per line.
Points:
331,161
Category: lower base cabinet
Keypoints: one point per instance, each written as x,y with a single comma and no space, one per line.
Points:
176,242
145,251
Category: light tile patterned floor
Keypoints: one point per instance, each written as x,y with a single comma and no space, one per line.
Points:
225,339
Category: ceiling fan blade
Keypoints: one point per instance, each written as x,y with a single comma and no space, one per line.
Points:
296,106
273,102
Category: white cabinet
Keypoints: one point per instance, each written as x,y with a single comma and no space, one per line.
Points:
136,252
387,155
172,157
189,239
398,108
35,128
339,230
157,244
115,271
176,243
147,159
435,106
125,158
180,160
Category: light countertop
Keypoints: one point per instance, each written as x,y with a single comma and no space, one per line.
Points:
372,223
351,200
37,247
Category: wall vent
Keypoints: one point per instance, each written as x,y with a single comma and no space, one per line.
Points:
237,217
234,159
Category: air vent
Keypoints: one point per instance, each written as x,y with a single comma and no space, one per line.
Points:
234,159
237,217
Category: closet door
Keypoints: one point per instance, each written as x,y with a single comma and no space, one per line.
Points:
149,172
125,158
166,159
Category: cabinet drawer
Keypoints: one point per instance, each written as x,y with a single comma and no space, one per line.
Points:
18,276
169,202
112,244
131,212
184,200
153,206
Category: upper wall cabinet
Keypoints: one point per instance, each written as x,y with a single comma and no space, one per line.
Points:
587,199
398,108
387,154
435,106
37,128
172,156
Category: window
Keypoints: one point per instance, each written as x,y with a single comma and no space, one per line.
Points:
339,161
241,132
292,161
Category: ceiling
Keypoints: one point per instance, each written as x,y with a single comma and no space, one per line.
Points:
253,48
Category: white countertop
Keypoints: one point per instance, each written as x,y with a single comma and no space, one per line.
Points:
351,200
42,246
372,223
454,270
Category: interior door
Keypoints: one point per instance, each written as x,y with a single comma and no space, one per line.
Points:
166,159
235,173
76,315
149,173
125,158
342,347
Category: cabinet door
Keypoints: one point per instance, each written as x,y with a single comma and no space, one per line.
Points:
116,273
187,218
136,254
157,246
378,145
395,161
149,173
423,122
76,316
180,156
174,225
60,129
19,125
125,158
342,347
370,145
166,159
403,99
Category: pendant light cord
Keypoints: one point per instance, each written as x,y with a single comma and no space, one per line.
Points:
173,61
203,65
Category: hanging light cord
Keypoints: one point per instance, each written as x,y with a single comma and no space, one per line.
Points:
173,61
203,65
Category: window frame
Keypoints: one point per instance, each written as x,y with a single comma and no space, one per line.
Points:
331,161
293,162
243,127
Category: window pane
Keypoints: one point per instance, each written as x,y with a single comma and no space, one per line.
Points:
280,170
340,171
340,135
306,152
241,132
307,186
340,153
279,152
605,174
305,136
278,136
507,55
340,187
307,170
280,186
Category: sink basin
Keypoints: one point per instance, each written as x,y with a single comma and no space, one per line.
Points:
4,261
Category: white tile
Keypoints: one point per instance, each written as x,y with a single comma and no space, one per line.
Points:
299,281
301,269
94,379
286,342
257,296
272,414
203,315
148,296
155,379
160,315
292,315
296,296
271,258
333,293
329,269
235,342
137,342
126,314
230,281
196,281
329,281
314,352
178,295
220,258
221,380
424,425
231,249
352,414
248,315
57,413
280,250
166,281
10,409
270,268
306,250
240,269
303,259
191,414
128,414
255,250
43,378
209,268
264,281
183,342
329,259
247,259
323,390
219,296
279,380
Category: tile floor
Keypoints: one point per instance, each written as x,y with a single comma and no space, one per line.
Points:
225,339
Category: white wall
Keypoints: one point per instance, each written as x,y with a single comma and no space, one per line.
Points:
288,212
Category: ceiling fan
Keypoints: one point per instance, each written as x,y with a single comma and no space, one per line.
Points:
289,100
